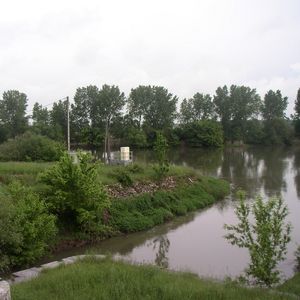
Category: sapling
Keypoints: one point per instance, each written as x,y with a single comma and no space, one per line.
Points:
160,150
266,237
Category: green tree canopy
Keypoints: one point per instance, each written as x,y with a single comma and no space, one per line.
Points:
245,104
297,105
223,109
94,111
58,120
274,105
200,107
81,122
41,119
297,114
186,111
12,114
161,110
234,108
138,102
154,106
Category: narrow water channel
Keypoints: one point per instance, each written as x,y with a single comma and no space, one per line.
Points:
195,242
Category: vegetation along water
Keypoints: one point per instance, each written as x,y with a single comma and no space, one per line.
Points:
50,205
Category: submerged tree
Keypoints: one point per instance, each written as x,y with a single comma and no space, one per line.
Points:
266,238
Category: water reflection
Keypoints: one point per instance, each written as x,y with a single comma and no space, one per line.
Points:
253,169
124,245
275,165
196,242
161,245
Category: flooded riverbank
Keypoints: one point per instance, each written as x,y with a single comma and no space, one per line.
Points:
195,242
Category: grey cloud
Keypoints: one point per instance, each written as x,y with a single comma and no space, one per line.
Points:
48,49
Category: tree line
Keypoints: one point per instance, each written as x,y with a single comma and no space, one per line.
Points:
102,116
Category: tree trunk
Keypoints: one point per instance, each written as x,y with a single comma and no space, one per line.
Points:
108,146
105,143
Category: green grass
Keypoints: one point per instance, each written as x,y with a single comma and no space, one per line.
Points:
291,286
144,172
147,210
104,279
27,172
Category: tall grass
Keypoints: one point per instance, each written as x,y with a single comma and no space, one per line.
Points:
27,172
94,279
144,172
292,285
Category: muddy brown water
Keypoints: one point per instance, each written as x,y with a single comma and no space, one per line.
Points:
196,242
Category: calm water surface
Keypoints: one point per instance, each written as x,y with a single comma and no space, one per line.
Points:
195,242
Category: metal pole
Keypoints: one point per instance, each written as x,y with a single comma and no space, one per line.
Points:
68,123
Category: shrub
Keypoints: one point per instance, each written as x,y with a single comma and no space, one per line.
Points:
206,133
160,150
135,168
254,132
30,147
278,131
266,239
124,178
74,194
136,138
26,227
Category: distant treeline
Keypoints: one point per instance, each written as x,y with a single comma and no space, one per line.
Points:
232,115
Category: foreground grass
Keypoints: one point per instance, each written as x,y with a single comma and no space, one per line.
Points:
291,286
95,279
27,172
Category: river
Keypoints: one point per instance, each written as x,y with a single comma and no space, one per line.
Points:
196,242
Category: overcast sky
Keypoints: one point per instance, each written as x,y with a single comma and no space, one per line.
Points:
49,48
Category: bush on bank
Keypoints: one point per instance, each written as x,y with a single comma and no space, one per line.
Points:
74,194
205,133
26,227
30,147
71,196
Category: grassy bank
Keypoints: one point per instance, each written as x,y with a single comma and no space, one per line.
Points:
94,279
81,211
147,210
27,172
